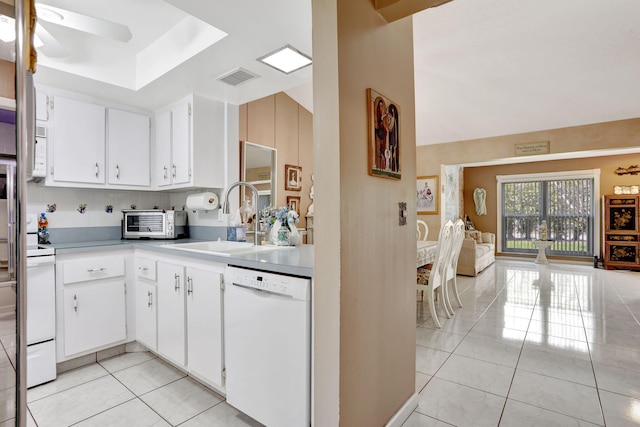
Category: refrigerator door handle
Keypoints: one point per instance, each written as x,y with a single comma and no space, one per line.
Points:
11,223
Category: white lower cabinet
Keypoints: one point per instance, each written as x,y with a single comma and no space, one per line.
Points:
146,312
189,317
94,315
204,324
171,313
91,303
146,302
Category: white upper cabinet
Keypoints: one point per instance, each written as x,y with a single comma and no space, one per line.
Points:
99,144
42,102
128,147
93,144
181,144
163,149
79,135
173,145
190,144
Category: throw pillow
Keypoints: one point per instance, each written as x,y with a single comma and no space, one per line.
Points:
475,235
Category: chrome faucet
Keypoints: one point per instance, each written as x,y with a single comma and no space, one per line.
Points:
225,205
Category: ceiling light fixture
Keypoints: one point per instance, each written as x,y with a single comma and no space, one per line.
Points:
7,29
286,59
48,14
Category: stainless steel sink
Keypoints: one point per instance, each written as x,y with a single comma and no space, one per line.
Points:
223,247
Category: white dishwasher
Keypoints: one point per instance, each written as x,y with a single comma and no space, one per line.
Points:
267,322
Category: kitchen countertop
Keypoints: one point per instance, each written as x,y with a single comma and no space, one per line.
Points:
296,260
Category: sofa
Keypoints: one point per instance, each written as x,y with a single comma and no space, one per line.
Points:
477,253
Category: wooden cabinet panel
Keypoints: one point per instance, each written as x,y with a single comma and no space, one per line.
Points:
622,232
261,116
243,122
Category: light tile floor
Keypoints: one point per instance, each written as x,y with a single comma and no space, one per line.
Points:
132,389
555,345
533,345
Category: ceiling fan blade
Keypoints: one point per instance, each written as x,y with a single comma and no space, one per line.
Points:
51,47
85,23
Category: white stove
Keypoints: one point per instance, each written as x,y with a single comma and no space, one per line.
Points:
33,251
41,308
33,248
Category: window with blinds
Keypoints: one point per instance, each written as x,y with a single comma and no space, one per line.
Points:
567,206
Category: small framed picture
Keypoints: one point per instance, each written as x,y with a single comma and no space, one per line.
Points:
427,195
384,136
294,203
292,177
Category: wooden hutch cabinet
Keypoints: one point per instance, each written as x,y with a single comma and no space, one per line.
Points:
621,232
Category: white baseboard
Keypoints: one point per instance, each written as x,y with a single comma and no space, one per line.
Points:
404,412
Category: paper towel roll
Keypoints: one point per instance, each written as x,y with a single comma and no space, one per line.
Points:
202,201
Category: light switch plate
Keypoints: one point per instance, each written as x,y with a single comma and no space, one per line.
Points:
402,214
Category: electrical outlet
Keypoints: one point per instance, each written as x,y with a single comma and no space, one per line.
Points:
220,214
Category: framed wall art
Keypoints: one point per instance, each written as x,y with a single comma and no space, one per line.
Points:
294,203
292,177
427,194
384,136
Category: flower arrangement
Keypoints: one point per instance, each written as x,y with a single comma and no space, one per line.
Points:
284,215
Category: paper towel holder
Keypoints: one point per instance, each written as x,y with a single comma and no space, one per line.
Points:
202,202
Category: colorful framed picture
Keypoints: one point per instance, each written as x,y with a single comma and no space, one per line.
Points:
427,194
292,177
384,136
294,203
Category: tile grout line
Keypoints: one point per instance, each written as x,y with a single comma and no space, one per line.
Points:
454,349
515,369
593,369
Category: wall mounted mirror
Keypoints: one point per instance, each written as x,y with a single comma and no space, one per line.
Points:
258,166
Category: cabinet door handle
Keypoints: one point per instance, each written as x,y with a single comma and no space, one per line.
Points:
117,171
166,172
176,278
97,169
189,285
143,269
175,172
75,303
96,270
150,295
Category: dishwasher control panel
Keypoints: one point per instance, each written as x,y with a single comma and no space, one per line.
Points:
294,287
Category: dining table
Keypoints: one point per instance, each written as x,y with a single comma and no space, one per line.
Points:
426,252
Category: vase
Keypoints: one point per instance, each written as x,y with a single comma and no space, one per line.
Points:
294,235
279,234
273,232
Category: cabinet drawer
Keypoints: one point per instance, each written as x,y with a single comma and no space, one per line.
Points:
146,268
92,269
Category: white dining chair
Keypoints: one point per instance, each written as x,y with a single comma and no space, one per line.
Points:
423,230
430,280
457,236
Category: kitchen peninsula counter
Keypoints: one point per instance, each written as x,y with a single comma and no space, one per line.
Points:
295,260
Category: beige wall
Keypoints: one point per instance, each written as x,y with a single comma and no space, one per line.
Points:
7,82
365,268
485,177
279,122
616,134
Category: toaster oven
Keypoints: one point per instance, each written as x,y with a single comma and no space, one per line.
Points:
154,224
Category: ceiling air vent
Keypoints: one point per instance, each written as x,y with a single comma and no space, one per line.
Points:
236,77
